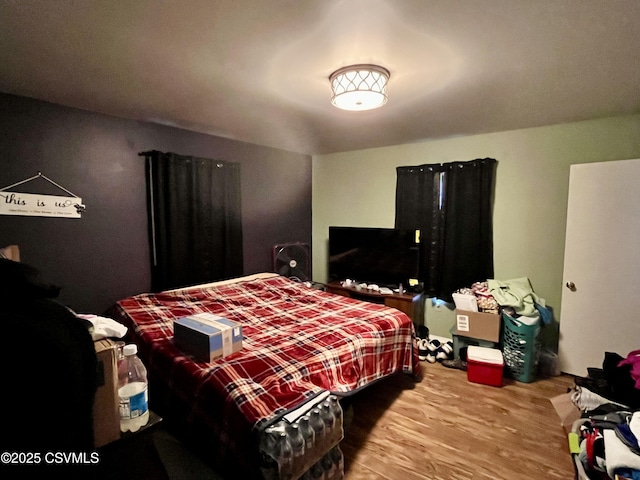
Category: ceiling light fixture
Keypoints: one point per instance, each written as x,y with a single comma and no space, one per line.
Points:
359,87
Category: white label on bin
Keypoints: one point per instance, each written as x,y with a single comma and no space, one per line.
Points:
462,323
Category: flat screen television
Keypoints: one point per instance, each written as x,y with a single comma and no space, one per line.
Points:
384,256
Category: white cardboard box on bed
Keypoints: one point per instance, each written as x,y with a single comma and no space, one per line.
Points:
207,337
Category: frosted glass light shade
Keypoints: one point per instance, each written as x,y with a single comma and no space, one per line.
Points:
359,87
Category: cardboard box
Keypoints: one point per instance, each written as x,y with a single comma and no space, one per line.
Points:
483,326
106,417
207,337
485,365
567,411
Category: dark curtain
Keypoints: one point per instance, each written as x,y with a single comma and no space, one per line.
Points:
195,224
451,205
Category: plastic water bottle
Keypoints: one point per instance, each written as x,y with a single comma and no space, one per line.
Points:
269,453
307,433
132,391
338,459
336,409
318,427
329,420
317,472
285,457
308,475
328,466
296,440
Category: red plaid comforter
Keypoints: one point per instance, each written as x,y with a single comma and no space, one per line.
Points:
297,342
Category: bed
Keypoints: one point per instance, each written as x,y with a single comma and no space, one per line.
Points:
298,343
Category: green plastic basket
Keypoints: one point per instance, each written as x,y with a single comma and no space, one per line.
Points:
520,349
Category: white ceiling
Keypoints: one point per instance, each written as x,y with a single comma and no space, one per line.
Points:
257,70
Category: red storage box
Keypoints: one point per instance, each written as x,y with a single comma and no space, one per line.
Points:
485,365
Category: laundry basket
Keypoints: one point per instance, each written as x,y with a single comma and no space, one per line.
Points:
520,348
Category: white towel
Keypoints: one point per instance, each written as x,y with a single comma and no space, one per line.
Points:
104,327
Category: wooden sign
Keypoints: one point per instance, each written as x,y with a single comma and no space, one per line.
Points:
35,205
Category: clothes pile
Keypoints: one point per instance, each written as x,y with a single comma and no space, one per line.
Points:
519,301
484,299
607,434
515,297
523,314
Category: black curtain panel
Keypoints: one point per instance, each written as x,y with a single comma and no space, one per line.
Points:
195,224
451,204
418,203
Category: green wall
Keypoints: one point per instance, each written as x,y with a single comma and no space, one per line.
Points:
532,179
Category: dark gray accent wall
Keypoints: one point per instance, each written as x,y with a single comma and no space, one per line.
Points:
104,256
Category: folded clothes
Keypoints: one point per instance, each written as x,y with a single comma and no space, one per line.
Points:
618,454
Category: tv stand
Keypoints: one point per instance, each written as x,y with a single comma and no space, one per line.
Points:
408,303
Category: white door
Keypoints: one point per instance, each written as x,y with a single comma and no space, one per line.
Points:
600,309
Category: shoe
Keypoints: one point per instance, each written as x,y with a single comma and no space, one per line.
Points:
434,345
431,357
423,349
455,363
445,352
432,353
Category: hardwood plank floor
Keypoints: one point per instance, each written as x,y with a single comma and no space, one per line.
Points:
444,427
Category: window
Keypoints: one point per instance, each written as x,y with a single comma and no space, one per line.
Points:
451,204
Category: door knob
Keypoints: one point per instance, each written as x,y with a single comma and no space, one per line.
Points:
571,286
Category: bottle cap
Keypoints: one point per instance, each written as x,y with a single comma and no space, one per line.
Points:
130,349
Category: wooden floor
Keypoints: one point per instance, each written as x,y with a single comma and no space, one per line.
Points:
441,427
444,427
